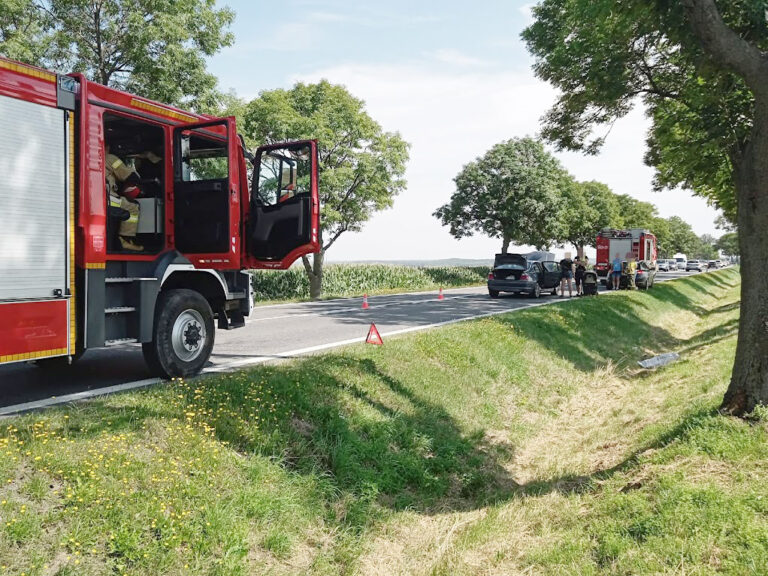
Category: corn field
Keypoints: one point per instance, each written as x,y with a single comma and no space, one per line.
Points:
346,280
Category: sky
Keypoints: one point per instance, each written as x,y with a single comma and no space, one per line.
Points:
453,78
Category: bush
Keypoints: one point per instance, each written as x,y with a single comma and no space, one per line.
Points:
345,280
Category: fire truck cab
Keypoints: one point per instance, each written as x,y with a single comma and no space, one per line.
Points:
67,282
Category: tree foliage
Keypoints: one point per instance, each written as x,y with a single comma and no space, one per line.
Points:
588,208
728,244
361,168
155,48
605,56
514,192
701,71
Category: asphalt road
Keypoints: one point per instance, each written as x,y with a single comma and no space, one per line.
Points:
271,333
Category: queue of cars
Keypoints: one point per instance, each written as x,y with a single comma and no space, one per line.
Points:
531,276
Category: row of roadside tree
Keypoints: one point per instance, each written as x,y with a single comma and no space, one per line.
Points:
519,193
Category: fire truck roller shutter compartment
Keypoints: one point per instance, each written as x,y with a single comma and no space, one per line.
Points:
34,242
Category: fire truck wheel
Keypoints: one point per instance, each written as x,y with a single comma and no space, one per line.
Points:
183,334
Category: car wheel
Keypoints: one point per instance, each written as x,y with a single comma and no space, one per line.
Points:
493,293
554,292
183,335
536,292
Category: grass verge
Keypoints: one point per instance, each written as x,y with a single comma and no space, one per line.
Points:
528,443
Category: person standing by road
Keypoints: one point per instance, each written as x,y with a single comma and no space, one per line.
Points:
581,267
566,275
616,271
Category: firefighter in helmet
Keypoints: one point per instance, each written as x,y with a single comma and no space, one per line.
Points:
122,186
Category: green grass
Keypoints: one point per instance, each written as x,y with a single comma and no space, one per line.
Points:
348,280
523,443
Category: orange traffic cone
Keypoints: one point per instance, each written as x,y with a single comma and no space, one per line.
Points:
365,302
373,336
440,294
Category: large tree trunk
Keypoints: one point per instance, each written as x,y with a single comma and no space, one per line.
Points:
505,245
315,274
749,379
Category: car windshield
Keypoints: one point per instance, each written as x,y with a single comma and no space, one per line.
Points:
509,267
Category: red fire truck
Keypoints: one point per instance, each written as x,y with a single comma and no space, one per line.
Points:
636,243
66,282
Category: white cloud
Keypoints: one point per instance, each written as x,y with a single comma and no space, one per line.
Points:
452,118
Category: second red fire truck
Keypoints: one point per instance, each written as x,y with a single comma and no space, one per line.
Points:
635,243
68,281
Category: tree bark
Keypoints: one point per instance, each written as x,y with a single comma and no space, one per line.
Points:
505,245
580,251
749,378
315,274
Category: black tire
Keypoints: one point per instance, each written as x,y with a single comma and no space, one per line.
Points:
183,335
536,293
493,293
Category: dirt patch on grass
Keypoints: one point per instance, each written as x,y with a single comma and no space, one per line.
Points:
416,544
581,438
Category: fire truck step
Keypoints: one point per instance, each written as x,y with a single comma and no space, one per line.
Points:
119,309
119,341
118,279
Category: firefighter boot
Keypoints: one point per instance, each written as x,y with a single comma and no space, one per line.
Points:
129,244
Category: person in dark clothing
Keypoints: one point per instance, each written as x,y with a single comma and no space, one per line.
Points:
581,267
566,275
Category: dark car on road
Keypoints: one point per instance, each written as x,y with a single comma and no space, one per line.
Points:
645,275
517,274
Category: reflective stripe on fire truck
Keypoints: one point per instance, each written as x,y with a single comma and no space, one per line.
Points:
28,70
33,355
72,193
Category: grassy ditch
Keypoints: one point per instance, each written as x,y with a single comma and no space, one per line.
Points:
348,280
525,443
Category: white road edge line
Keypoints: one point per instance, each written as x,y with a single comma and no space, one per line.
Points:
251,361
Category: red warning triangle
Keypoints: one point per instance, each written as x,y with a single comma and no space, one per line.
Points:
373,336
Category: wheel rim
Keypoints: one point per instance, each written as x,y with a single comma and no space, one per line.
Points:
188,336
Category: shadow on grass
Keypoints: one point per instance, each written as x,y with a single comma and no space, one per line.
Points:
375,440
589,334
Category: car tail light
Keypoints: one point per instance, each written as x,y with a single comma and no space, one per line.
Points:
491,276
524,277
640,272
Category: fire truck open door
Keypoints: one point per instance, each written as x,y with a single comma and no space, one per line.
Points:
284,209
204,160
36,220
